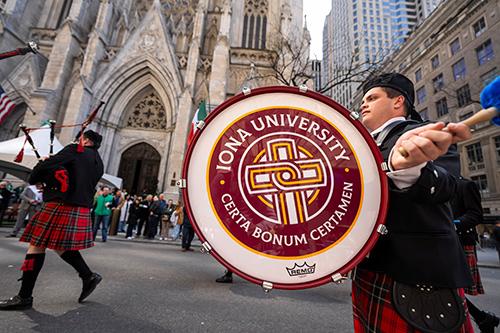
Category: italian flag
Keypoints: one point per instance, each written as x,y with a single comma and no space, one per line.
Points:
199,115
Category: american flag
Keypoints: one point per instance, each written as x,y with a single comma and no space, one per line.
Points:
6,105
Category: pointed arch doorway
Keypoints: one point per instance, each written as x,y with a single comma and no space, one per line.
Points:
139,166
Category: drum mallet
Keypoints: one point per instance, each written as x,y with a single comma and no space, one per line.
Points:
490,101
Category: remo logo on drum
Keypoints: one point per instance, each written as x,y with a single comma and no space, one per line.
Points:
284,183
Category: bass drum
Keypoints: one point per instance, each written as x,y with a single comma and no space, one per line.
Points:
285,188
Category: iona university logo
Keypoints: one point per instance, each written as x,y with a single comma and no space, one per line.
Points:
284,182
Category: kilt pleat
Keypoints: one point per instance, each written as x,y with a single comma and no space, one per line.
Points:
477,285
372,308
60,226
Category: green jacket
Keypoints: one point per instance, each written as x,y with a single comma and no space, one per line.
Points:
100,208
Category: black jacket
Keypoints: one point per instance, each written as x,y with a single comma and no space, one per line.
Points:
421,246
84,171
143,210
466,206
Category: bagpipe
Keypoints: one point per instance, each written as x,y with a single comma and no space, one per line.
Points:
31,47
55,180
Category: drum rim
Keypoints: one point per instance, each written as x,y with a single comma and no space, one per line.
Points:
384,197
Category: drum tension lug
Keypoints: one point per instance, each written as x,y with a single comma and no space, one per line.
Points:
246,91
355,115
303,88
267,286
382,229
200,124
384,166
181,183
338,278
206,248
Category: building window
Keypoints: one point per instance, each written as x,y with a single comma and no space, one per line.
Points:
465,116
474,153
479,27
455,46
442,107
255,25
435,61
459,69
418,75
438,82
424,114
489,76
421,94
485,52
497,147
481,182
64,12
463,95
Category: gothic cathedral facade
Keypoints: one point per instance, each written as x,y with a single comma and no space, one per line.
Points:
151,62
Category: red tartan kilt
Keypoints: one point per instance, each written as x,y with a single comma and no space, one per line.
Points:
60,226
373,310
477,285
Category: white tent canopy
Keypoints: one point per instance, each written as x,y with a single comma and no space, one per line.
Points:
41,138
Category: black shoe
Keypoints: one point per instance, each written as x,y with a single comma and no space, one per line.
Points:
489,323
89,286
11,235
225,279
16,303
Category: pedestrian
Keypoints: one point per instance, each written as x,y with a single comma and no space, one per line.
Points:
63,223
467,214
421,247
176,220
165,221
143,213
132,217
116,206
31,202
157,210
496,238
5,195
102,213
187,232
124,212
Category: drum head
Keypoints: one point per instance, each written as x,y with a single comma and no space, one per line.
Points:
285,187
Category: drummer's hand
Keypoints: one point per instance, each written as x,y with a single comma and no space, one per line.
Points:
422,144
459,131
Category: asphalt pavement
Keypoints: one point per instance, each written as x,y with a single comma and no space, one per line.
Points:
151,286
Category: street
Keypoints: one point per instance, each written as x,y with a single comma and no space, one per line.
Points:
157,288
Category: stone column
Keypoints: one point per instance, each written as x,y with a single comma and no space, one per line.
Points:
45,100
184,114
220,60
80,100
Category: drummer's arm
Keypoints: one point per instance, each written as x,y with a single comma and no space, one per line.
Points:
417,173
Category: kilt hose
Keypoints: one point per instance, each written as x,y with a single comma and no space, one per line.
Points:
61,227
471,256
372,308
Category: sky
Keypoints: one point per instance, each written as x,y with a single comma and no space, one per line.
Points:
316,11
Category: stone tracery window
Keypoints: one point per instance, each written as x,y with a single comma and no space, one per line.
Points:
255,24
148,113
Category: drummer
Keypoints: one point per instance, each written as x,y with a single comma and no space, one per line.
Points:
418,219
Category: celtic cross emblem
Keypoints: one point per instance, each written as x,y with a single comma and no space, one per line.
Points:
286,178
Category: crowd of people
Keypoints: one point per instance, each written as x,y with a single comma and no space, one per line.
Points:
114,211
148,216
